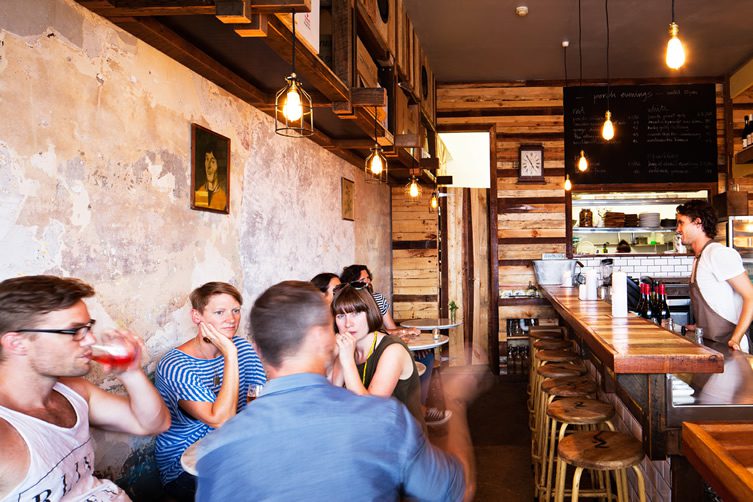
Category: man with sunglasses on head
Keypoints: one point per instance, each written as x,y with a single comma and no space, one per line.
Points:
46,406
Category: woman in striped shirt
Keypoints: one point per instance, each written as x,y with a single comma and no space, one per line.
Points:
204,381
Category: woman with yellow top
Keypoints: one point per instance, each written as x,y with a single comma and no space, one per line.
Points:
369,360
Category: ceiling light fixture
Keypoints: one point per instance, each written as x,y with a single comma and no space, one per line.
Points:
376,166
294,116
413,188
675,51
434,201
607,130
521,11
583,161
568,184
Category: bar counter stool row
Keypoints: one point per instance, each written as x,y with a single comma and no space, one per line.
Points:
565,417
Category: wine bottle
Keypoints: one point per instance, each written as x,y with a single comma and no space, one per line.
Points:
749,135
746,130
662,311
641,301
648,308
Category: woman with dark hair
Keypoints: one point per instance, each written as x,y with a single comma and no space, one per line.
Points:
369,360
326,283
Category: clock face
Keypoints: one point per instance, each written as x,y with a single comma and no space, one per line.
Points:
531,163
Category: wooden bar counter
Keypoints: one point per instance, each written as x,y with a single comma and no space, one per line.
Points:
630,344
723,454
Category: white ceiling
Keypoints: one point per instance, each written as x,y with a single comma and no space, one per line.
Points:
483,40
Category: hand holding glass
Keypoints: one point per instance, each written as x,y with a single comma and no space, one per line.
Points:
254,391
116,349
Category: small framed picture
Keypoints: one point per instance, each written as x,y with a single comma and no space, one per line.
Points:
347,195
210,170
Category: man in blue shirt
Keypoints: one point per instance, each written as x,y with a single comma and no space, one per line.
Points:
305,439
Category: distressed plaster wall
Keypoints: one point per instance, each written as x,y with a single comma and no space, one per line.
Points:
94,183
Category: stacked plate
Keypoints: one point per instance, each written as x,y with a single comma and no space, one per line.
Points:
649,219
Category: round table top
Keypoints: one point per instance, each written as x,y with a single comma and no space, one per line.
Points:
427,324
188,459
424,341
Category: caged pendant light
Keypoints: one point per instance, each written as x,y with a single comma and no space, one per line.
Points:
375,167
675,52
413,189
607,130
294,116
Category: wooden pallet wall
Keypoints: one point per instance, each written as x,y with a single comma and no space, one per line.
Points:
415,272
531,218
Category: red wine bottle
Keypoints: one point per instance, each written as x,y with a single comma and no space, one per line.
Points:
662,310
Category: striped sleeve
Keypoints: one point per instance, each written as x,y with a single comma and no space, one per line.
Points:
382,303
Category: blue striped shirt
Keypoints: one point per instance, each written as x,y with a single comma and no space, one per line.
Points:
381,302
183,377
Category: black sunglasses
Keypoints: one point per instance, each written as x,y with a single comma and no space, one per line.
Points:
78,334
353,284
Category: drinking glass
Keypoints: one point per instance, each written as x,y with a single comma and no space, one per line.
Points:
114,350
254,391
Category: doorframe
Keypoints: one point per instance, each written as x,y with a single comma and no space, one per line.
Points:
493,324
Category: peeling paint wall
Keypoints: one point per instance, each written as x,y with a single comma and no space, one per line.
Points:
94,183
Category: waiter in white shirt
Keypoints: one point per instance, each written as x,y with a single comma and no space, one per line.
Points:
720,291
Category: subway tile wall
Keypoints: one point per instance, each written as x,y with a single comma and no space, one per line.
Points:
660,266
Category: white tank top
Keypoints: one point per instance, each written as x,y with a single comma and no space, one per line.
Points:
61,460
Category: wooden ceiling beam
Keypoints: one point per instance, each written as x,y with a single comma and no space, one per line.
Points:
234,11
135,8
275,6
173,45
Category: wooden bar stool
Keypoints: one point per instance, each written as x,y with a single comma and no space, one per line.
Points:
605,451
536,333
545,451
557,356
552,344
573,410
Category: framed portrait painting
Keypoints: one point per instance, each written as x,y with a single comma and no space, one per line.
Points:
347,196
210,170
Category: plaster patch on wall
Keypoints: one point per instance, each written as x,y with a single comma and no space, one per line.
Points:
45,161
3,59
214,267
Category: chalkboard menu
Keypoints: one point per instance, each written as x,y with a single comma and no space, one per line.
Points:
663,133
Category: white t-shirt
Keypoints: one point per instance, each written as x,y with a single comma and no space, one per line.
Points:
717,264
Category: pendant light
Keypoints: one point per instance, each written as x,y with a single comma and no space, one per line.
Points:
413,188
582,162
675,51
294,116
568,183
375,167
607,130
434,201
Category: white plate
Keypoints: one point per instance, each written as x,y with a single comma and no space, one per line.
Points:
585,247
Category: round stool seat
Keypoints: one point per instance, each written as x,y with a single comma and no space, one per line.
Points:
546,335
558,370
534,329
579,411
573,389
551,344
557,356
600,450
548,383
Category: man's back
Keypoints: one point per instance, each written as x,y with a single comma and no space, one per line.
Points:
307,440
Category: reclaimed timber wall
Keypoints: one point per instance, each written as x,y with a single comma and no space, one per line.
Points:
415,267
531,218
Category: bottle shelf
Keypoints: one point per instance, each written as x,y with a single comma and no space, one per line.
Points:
744,156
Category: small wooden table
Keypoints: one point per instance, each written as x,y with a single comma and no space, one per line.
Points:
429,340
722,453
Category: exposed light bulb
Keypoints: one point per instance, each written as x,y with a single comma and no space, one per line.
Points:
582,162
607,131
376,164
675,50
568,184
434,201
413,191
293,110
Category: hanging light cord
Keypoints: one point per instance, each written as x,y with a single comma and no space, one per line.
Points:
564,54
376,141
606,10
673,11
292,70
580,46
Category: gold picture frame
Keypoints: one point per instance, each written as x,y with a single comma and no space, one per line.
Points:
347,197
210,170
